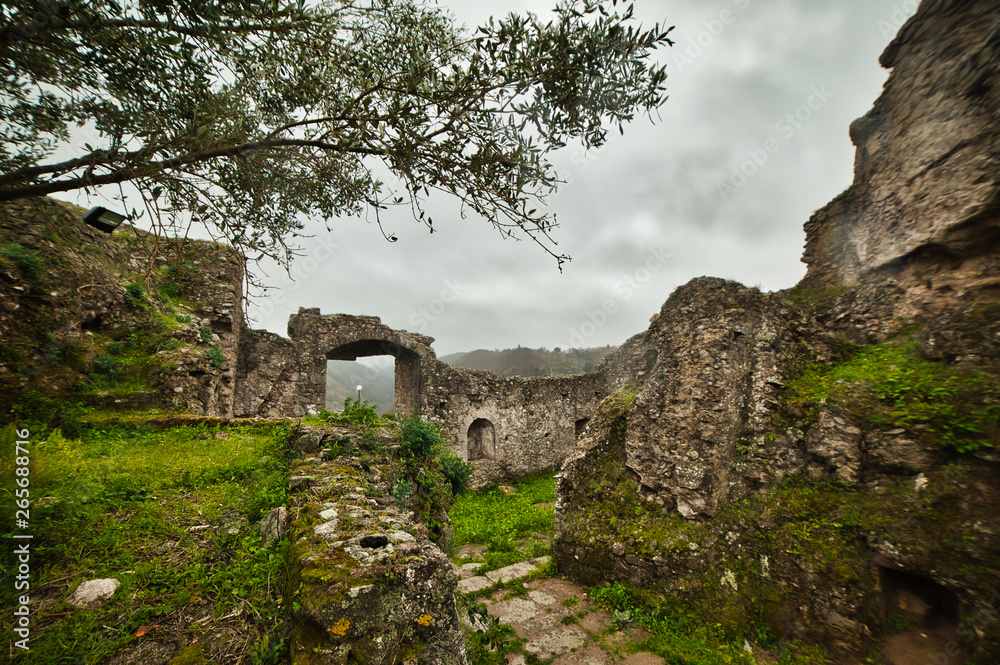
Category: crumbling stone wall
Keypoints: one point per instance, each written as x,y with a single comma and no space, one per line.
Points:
213,280
518,425
370,586
267,374
924,207
509,426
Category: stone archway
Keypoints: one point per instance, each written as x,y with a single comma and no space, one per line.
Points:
407,371
482,440
319,338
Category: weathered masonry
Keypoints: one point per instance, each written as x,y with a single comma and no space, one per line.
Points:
507,426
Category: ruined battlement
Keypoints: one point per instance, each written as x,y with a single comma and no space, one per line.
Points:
507,426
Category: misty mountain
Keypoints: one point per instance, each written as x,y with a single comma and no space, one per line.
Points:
376,376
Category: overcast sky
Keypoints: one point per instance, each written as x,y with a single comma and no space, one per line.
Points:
769,86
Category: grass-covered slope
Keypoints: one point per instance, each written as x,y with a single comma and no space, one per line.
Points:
116,321
173,516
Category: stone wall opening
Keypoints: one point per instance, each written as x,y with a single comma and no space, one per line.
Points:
919,601
375,375
581,425
406,382
482,440
921,617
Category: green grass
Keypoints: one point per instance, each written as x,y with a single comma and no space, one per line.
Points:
891,385
119,502
679,635
503,522
25,260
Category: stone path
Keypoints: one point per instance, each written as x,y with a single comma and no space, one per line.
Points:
555,618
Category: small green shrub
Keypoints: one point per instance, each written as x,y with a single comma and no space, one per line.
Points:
216,356
107,365
206,334
491,641
332,450
182,318
419,438
456,471
371,444
402,493
356,412
135,294
170,345
25,260
169,289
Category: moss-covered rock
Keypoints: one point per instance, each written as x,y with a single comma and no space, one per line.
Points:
370,586
846,474
114,320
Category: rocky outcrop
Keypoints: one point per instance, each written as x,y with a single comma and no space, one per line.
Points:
713,365
371,587
925,204
820,464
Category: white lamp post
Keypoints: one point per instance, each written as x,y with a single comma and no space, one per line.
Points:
359,394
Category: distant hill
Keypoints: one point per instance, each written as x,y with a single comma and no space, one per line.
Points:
523,361
452,357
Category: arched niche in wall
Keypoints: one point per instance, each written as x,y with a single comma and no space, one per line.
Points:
482,440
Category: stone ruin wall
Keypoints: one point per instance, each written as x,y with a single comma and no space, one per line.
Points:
924,207
507,426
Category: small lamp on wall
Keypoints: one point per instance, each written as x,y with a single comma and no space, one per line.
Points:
103,219
359,393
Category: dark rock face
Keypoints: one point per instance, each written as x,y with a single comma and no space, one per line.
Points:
701,479
716,351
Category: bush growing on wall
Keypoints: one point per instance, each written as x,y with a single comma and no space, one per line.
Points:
419,438
456,471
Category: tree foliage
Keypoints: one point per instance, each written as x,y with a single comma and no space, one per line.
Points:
251,116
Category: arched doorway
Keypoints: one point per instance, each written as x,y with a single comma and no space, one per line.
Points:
376,376
482,440
406,381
